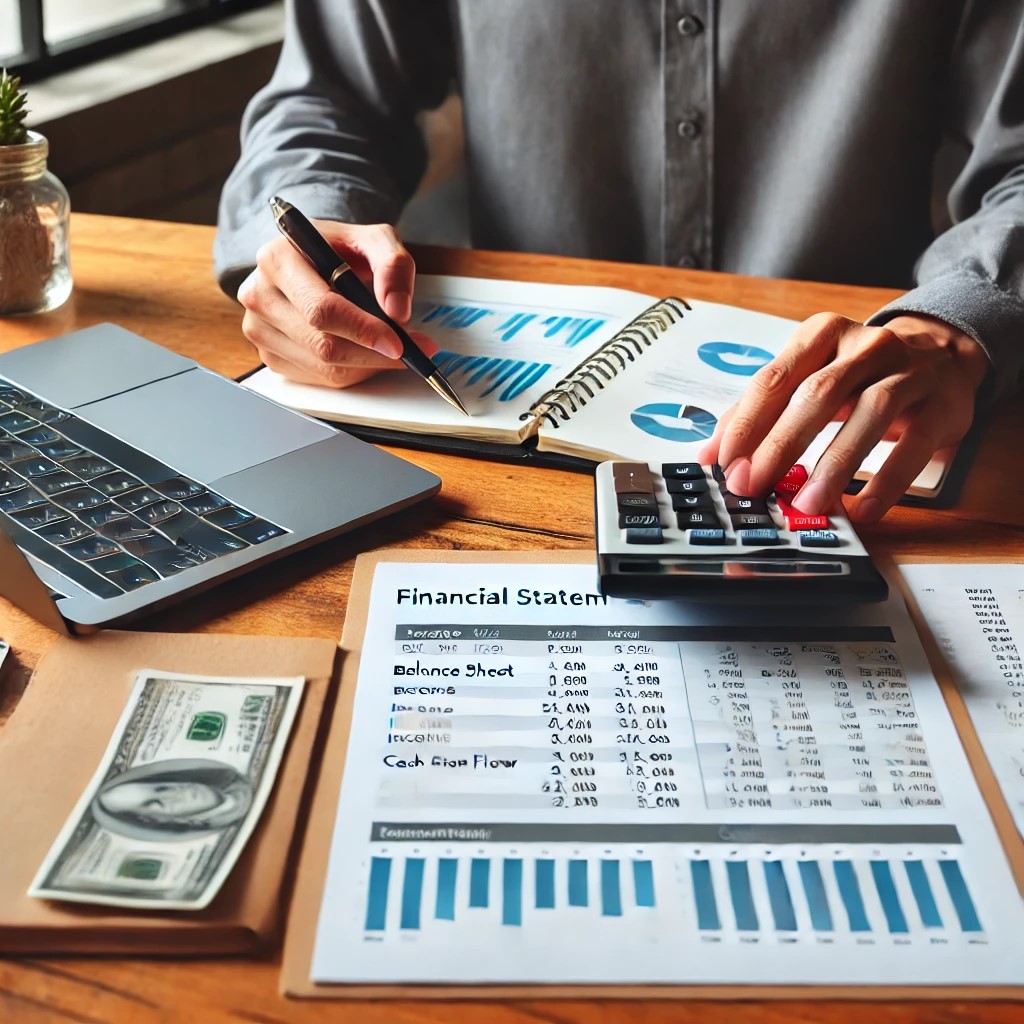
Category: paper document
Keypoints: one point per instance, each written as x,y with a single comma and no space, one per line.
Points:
545,785
178,793
976,612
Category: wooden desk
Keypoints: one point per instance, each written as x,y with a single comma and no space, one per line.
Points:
156,279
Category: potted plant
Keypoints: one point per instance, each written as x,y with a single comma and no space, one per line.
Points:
34,270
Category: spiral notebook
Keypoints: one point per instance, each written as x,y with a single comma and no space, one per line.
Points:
568,375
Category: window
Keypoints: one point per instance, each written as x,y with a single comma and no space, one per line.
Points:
40,37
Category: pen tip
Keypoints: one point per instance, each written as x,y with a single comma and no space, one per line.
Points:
278,206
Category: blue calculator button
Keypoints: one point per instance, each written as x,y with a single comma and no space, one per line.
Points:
819,539
705,536
644,535
764,535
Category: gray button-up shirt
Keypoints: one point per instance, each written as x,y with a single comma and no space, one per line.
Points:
874,142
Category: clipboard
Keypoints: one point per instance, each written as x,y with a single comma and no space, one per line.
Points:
313,859
51,746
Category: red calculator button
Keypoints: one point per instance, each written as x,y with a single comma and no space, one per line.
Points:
796,520
792,481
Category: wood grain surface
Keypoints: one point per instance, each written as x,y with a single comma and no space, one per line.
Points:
156,279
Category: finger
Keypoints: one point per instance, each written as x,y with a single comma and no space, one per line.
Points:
391,267
813,345
868,422
276,350
319,307
708,455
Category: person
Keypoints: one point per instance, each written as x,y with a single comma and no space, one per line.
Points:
854,141
176,798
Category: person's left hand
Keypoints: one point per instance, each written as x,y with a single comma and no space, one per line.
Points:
912,381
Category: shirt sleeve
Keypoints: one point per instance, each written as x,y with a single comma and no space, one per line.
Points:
972,275
335,129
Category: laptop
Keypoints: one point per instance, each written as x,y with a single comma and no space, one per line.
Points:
132,477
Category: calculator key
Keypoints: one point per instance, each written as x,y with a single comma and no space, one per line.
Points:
718,473
819,539
645,535
762,535
739,503
706,536
792,481
684,502
699,518
632,478
630,519
687,486
625,502
796,520
682,471
746,520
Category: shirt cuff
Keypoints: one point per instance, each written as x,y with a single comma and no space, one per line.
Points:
976,306
239,236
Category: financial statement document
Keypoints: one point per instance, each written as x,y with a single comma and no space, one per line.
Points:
976,613
547,786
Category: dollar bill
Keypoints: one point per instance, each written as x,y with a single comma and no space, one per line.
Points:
177,795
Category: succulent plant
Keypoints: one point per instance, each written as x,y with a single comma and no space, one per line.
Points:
12,110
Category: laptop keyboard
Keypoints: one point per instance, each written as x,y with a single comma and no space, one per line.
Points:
101,512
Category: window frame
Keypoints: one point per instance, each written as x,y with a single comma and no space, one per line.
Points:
38,58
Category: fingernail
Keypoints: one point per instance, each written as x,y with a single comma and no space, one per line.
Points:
812,499
737,475
398,306
389,347
868,510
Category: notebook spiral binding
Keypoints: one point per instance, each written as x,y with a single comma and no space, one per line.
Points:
573,391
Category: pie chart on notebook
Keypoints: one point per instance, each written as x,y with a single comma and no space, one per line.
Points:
673,422
732,357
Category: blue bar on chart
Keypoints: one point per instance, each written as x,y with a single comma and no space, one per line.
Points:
577,883
479,881
778,896
611,898
894,916
544,885
456,317
817,898
514,324
512,891
643,883
377,899
742,899
849,890
704,896
962,902
922,891
412,892
444,905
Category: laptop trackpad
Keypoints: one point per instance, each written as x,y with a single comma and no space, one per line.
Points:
203,425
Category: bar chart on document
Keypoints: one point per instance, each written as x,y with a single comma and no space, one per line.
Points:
554,786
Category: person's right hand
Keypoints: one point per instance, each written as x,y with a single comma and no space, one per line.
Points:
307,332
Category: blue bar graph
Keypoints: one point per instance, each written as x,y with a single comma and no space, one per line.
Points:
504,326
704,896
778,896
444,906
479,881
742,899
512,892
922,891
577,883
611,898
544,885
377,901
817,898
412,891
849,890
962,902
643,883
894,916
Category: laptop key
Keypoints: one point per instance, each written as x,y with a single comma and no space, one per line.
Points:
127,572
64,531
210,540
41,435
60,449
80,499
102,515
16,421
12,450
25,497
204,503
90,548
134,500
9,480
41,515
88,466
172,559
116,483
178,488
54,483
36,466
230,517
258,531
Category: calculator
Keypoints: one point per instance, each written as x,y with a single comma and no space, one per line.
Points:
674,530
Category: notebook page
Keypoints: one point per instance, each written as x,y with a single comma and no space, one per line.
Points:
665,406
976,613
544,785
502,345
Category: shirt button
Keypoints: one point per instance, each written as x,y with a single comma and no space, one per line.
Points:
688,128
687,262
688,25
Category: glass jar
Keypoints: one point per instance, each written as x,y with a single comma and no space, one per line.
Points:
35,270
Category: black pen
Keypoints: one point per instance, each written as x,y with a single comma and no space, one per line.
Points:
342,279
